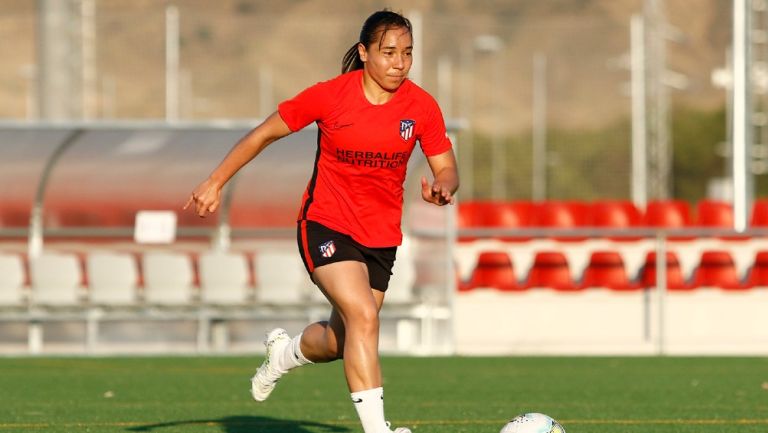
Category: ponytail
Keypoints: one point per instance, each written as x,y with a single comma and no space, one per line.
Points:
379,22
351,61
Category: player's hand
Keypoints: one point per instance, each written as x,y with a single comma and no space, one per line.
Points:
206,198
435,193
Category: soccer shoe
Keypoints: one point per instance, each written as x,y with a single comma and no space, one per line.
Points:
266,377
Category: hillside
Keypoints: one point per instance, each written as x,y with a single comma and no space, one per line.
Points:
228,45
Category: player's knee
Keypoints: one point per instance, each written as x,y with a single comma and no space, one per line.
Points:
366,320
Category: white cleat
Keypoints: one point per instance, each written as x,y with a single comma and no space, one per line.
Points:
266,377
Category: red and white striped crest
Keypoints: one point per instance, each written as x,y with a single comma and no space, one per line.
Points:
406,128
327,249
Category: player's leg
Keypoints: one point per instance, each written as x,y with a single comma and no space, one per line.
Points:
347,286
324,341
319,342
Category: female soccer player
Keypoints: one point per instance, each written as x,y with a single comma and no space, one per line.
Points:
369,120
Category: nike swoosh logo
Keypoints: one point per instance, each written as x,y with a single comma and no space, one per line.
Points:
357,400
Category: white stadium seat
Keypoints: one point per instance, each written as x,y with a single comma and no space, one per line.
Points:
168,278
281,278
56,279
112,277
223,278
11,280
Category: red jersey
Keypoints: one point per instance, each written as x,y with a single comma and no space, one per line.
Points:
363,150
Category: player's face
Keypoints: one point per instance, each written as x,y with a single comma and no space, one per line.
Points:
389,61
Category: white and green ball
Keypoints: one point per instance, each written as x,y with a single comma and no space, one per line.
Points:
532,423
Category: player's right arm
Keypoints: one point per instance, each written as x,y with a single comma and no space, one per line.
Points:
207,196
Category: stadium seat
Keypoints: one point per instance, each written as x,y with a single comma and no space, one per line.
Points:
616,214
562,215
667,214
494,270
281,278
168,278
717,269
675,279
11,280
550,269
717,214
113,278
606,269
758,274
494,214
714,213
759,217
56,279
224,278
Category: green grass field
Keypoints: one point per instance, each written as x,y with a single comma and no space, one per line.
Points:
430,395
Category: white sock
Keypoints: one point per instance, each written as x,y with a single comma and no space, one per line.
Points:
370,408
292,356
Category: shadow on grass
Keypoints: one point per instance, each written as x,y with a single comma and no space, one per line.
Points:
248,424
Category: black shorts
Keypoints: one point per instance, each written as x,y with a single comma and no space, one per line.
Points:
320,246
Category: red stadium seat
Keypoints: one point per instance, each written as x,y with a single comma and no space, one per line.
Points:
616,214
717,214
494,214
759,217
494,270
758,275
562,215
714,213
550,269
667,213
717,269
675,279
606,269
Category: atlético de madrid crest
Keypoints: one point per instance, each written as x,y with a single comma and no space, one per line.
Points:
406,128
327,249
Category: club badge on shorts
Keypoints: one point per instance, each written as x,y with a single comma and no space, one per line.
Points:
327,249
406,128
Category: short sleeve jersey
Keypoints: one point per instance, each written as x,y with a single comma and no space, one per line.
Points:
356,187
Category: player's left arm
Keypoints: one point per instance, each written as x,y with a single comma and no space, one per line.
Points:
446,180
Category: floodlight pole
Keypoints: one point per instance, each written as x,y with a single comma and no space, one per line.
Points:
444,83
639,113
56,56
417,24
171,63
266,98
465,112
539,127
495,45
742,113
88,57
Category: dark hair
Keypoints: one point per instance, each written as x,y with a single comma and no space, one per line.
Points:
379,22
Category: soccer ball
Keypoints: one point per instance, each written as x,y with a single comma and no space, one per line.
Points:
532,423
